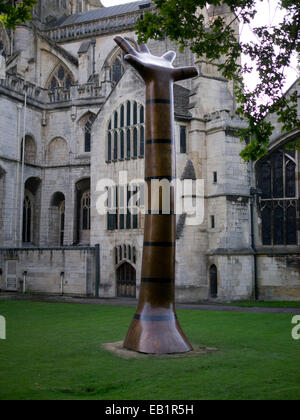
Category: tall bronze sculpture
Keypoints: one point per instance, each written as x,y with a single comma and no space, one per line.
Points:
154,328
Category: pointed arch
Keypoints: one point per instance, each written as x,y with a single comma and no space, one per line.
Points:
125,136
31,211
28,203
60,77
86,122
115,63
277,178
30,150
58,152
125,253
117,70
126,280
83,211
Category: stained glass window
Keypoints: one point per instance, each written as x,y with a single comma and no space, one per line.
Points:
87,139
61,223
279,206
291,225
277,164
126,133
142,142
135,143
117,71
86,211
142,115
124,205
27,219
122,111
265,180
134,113
68,82
122,144
128,114
115,145
61,77
53,83
128,136
109,147
267,225
61,73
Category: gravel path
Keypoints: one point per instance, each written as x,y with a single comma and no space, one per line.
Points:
133,302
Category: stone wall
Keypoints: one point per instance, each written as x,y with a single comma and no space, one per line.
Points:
235,275
44,267
279,275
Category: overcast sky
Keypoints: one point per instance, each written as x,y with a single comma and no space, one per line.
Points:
108,3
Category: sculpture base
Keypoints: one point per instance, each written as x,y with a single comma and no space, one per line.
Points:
156,335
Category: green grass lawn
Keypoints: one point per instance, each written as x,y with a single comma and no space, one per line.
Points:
53,351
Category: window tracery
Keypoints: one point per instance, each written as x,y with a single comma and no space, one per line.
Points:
125,138
279,204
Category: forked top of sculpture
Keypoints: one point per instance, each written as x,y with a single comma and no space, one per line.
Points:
149,66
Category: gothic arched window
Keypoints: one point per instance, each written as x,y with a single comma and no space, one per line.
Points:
61,211
135,142
279,207
117,70
142,141
61,77
62,222
31,211
86,211
124,204
27,219
126,133
125,252
87,138
86,123
30,150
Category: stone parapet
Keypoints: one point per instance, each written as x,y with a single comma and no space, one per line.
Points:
97,27
37,96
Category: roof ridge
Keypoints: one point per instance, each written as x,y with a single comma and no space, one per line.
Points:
99,13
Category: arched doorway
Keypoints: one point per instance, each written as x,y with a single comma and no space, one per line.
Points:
213,281
126,281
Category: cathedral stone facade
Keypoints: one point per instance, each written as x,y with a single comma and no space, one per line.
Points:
72,113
